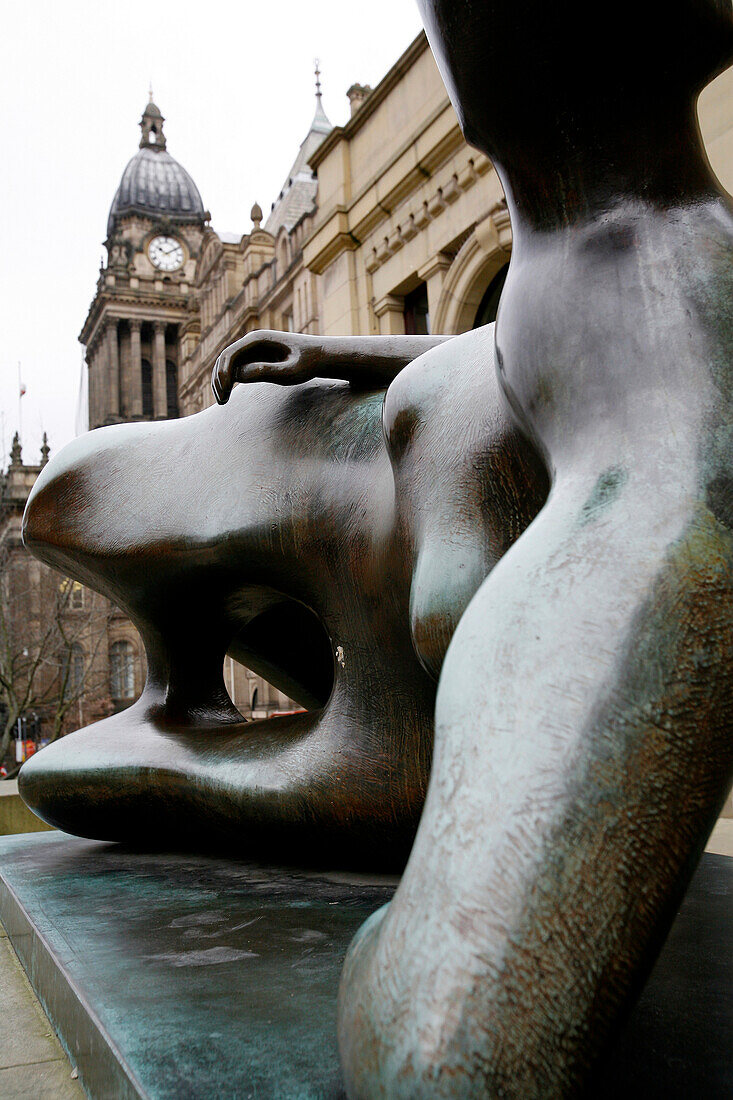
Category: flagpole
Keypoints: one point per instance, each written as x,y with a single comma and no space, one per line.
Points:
20,399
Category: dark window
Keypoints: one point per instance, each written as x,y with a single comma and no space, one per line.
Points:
487,311
147,381
171,387
76,668
121,670
417,317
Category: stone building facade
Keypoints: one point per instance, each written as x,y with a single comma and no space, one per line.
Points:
388,224
257,280
67,656
411,230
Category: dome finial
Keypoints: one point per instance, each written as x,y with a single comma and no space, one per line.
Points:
151,125
318,81
150,92
256,215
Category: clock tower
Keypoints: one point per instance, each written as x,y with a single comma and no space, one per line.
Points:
154,232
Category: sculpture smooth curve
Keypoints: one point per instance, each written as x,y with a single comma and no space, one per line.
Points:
571,797
332,555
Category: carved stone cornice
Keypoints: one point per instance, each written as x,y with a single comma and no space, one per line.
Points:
416,220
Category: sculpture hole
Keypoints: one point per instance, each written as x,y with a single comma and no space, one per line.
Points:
288,646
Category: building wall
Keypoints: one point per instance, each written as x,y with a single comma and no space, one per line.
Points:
46,619
258,281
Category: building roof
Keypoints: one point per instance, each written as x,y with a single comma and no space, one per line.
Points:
154,183
298,195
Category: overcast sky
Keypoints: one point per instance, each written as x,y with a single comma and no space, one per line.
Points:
235,84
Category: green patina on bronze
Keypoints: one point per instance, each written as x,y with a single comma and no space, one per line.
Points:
605,491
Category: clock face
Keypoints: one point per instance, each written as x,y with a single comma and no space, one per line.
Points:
165,253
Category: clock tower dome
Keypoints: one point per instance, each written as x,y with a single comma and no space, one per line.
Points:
154,232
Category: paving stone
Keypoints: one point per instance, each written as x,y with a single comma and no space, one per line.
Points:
32,1061
26,1036
41,1081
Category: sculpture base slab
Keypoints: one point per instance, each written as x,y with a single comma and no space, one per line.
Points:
173,976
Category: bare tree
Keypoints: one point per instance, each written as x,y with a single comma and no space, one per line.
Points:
53,635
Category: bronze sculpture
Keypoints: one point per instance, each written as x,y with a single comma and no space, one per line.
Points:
300,538
568,806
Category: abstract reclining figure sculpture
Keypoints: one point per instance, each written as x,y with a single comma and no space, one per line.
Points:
583,717
336,559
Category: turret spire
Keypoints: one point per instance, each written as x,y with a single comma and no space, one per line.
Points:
16,452
320,122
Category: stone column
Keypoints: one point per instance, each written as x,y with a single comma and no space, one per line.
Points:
125,395
113,367
100,378
92,385
160,399
136,377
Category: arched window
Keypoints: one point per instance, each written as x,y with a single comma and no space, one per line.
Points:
121,670
487,311
146,372
171,388
76,668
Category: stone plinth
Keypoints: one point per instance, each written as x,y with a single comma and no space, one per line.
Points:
172,976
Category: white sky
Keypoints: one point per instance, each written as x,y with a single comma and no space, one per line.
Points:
235,84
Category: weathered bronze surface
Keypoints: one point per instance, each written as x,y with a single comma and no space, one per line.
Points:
583,717
571,795
335,558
